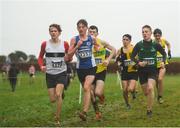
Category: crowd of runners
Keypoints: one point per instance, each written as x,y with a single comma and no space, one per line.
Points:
145,62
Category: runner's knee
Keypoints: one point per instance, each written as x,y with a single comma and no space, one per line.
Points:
130,89
98,93
59,95
160,79
87,88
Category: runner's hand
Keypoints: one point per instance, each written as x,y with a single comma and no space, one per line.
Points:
169,54
162,65
43,68
106,63
67,59
79,43
142,64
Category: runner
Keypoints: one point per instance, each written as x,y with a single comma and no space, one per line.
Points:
128,70
12,75
147,71
161,71
82,45
55,51
102,62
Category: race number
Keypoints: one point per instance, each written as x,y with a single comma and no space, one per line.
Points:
159,58
149,61
98,60
128,62
85,54
57,64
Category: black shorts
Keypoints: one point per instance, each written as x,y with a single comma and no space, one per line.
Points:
100,76
129,76
53,80
146,73
82,73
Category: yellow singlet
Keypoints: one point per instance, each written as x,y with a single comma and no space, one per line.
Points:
100,56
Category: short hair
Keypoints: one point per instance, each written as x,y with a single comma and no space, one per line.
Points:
82,21
58,27
128,36
157,31
94,27
147,26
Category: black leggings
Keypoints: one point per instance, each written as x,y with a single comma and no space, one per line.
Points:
13,82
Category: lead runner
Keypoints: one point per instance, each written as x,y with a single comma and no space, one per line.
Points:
55,51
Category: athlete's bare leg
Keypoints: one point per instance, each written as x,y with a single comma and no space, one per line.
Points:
99,90
125,91
59,91
162,72
87,92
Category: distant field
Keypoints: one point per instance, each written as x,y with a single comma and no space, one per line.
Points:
29,106
175,59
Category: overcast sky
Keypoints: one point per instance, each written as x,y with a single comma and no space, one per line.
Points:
24,24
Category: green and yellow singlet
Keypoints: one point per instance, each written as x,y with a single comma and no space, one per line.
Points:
100,56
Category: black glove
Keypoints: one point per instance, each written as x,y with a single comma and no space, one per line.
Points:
169,54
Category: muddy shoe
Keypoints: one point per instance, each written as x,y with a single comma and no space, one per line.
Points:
98,115
83,116
101,99
149,113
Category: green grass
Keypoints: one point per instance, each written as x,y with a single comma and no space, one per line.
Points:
175,59
29,105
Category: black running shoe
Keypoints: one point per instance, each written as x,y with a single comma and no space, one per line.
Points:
149,113
128,106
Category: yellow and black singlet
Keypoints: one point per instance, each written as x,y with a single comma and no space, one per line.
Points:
159,55
127,65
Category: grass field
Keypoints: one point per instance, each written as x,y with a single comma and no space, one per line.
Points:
175,59
29,105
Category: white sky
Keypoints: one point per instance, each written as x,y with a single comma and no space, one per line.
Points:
24,24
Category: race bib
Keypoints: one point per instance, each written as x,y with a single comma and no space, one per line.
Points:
57,64
98,60
128,63
149,61
159,58
85,54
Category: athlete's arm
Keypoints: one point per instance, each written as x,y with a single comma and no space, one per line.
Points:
111,48
117,58
73,47
169,48
134,53
134,57
66,57
168,45
162,51
96,46
41,55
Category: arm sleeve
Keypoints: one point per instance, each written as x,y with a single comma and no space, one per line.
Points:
162,51
41,54
66,46
134,53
